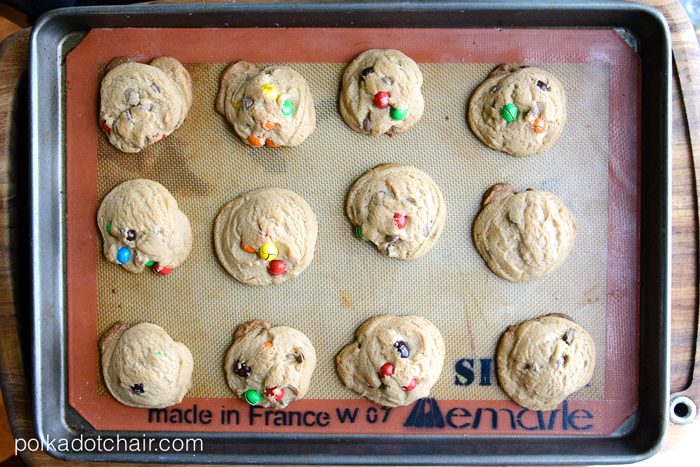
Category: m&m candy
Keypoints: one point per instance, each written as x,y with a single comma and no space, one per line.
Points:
381,99
123,255
287,108
268,251
277,267
271,91
386,370
509,112
398,114
252,396
538,125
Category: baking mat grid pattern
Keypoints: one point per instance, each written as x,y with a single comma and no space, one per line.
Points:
205,165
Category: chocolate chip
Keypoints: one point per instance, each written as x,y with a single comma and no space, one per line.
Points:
402,348
130,235
569,336
154,88
559,362
247,102
242,369
392,238
128,92
535,110
542,86
388,81
146,107
494,89
367,71
137,389
128,115
367,124
299,357
427,227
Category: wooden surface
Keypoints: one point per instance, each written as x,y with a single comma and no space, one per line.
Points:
681,442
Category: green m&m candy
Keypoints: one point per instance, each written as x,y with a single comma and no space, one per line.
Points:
150,263
398,114
358,232
287,108
252,396
509,112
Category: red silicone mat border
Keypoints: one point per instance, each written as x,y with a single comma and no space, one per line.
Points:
341,45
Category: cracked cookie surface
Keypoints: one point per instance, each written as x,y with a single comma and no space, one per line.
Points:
394,360
518,110
142,226
523,236
398,208
141,104
265,236
144,367
270,107
381,92
540,362
269,366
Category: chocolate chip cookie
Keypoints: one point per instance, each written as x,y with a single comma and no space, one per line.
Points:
381,93
398,208
394,360
542,361
518,110
142,226
269,366
523,236
144,367
270,107
142,104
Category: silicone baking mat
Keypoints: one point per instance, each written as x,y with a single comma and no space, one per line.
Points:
593,168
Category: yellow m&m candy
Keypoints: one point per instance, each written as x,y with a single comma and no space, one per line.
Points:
270,91
268,251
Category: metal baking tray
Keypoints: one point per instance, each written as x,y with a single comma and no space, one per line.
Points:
58,32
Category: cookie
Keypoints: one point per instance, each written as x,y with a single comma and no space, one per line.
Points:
381,93
540,362
269,366
142,226
265,236
523,236
394,360
144,367
269,106
518,110
141,104
398,208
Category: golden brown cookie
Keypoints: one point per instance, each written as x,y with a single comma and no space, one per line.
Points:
540,362
269,366
142,226
398,208
381,92
266,107
143,367
265,236
523,236
142,104
394,360
518,110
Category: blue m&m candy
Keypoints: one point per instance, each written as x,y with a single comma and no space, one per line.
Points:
123,255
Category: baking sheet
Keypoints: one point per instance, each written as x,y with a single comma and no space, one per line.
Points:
205,165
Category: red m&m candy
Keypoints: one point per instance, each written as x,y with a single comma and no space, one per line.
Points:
381,99
399,220
386,370
411,385
276,267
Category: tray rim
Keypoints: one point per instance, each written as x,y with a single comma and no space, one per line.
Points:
53,415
